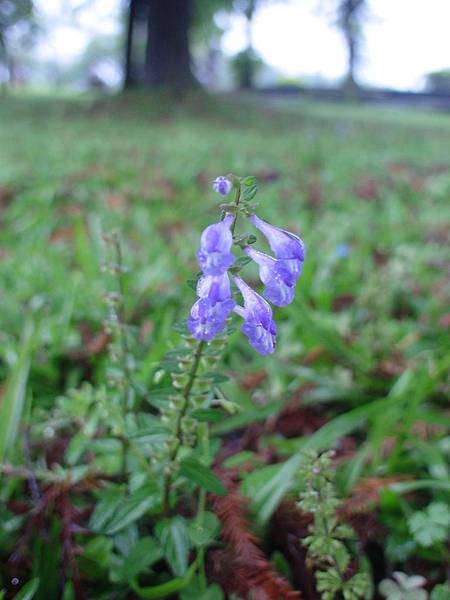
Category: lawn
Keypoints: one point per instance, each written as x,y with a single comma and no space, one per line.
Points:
361,364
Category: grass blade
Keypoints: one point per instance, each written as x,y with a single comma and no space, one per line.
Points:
12,401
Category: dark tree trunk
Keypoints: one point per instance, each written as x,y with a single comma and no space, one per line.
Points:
350,19
130,77
352,60
168,59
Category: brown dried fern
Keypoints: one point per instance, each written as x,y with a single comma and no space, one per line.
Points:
253,574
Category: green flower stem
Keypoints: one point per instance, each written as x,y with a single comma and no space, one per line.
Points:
186,395
237,199
203,435
123,335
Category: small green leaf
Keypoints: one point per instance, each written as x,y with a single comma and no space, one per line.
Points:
203,476
430,525
98,550
216,377
156,592
144,554
69,592
174,538
440,592
249,193
242,261
133,507
208,415
110,499
196,591
126,539
204,529
239,458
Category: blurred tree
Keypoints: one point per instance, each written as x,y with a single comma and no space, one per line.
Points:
350,18
246,63
168,58
439,81
136,15
16,18
169,28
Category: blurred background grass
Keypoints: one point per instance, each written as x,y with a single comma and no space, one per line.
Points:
367,193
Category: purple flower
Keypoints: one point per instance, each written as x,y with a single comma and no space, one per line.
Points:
222,185
214,255
210,312
285,245
259,326
279,281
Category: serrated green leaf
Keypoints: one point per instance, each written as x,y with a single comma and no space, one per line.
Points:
431,525
249,193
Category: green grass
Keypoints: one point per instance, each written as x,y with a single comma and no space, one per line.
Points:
365,339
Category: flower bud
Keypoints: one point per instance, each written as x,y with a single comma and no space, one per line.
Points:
222,185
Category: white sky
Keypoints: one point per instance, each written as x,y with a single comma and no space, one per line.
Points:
404,39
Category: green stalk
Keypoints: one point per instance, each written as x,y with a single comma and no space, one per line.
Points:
237,199
186,395
123,332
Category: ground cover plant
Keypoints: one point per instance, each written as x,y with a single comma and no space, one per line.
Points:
133,467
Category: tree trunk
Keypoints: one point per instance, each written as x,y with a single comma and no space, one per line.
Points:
129,76
352,59
168,59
